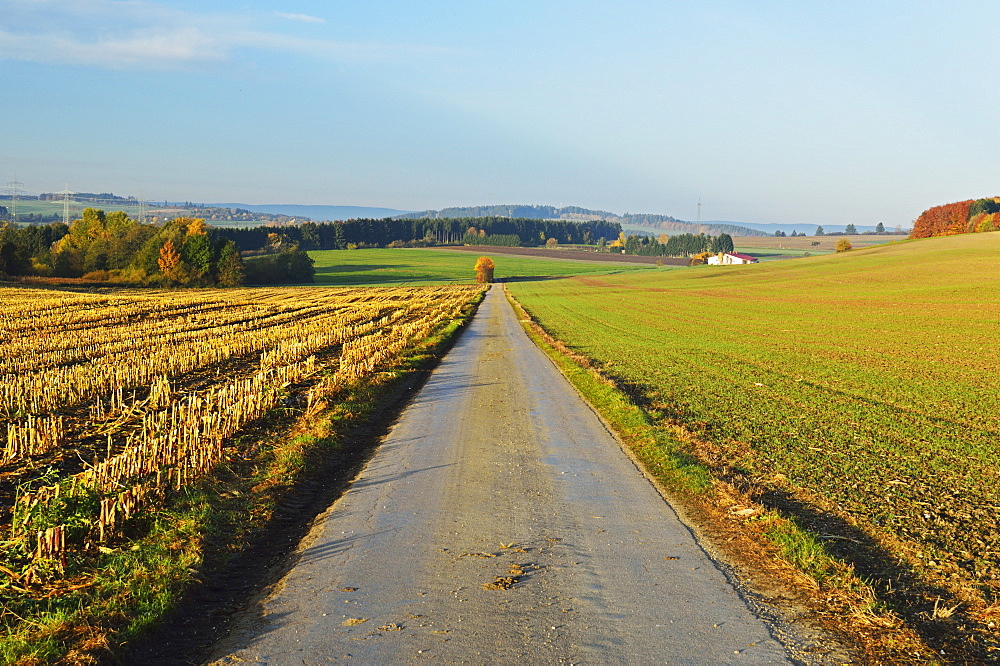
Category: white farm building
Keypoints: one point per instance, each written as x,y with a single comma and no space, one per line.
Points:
728,258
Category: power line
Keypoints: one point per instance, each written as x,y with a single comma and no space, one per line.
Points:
15,189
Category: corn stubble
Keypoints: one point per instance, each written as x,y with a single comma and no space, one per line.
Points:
154,387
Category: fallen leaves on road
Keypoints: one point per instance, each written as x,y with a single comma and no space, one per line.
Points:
501,583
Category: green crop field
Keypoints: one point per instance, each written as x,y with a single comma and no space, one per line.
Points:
31,206
430,267
776,253
813,244
863,384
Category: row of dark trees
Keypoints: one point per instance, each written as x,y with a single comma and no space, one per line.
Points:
382,233
496,240
30,218
681,245
21,247
284,267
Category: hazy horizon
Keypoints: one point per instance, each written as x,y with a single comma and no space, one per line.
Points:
772,112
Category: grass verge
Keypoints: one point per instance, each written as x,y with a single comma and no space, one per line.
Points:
162,592
783,560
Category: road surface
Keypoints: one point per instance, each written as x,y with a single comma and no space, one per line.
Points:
500,522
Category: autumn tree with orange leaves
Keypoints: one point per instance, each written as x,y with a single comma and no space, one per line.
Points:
169,258
962,217
484,270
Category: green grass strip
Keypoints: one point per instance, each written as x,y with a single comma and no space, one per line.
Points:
662,455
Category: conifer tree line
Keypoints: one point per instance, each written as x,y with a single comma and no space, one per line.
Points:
491,231
415,232
681,245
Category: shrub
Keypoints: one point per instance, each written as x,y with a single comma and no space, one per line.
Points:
98,276
700,258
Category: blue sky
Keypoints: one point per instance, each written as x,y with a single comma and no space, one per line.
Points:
790,112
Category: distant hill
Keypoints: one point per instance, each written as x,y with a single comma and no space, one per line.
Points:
650,221
529,212
807,228
319,213
657,224
715,227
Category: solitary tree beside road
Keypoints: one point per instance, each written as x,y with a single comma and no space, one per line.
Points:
484,270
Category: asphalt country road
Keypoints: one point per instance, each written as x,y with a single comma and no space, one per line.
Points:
500,522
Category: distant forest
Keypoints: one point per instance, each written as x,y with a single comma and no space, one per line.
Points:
962,217
399,232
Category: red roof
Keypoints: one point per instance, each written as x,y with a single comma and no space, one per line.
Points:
744,257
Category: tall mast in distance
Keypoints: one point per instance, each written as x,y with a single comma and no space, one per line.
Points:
15,189
66,199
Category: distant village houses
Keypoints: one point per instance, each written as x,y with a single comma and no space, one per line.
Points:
728,258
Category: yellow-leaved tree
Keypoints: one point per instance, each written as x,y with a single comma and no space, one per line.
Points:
197,227
169,259
484,270
700,258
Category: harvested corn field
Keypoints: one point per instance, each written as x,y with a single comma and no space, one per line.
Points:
113,403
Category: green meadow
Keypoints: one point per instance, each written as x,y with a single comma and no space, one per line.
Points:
418,266
862,385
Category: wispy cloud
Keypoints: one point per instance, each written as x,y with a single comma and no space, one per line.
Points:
305,18
154,48
139,34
